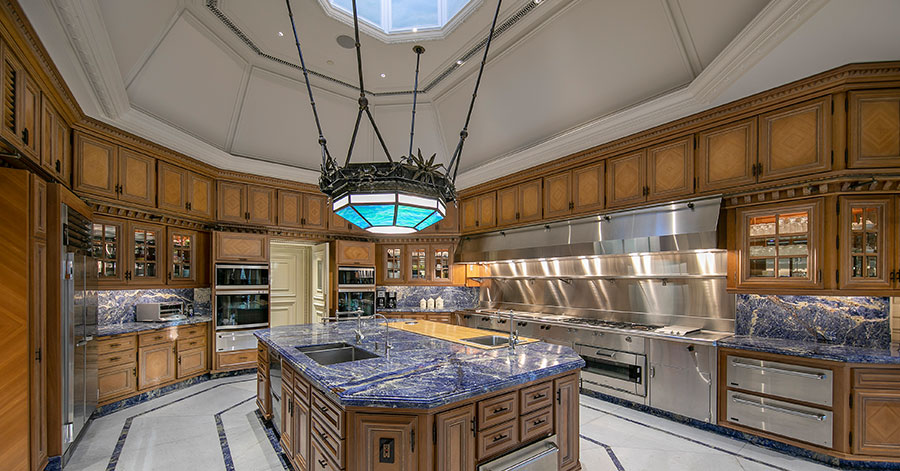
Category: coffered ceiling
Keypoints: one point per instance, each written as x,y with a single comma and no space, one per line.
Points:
218,79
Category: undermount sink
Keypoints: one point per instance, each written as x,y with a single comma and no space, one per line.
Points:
334,353
488,340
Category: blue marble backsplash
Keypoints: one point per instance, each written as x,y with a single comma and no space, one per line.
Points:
118,306
455,297
858,321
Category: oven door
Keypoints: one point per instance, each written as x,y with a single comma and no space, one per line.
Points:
242,309
356,277
614,369
242,277
350,300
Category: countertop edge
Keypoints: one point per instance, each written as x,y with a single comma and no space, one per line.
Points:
134,327
801,349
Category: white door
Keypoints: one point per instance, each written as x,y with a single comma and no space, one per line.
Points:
290,284
320,288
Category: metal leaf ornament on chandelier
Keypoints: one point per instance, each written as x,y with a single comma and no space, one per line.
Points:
391,197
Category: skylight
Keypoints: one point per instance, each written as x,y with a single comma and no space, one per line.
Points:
403,17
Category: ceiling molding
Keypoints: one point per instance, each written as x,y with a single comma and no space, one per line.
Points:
86,32
771,26
683,36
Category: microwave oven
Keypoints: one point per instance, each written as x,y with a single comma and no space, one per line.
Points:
243,277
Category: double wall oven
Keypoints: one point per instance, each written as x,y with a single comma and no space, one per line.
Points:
241,303
355,291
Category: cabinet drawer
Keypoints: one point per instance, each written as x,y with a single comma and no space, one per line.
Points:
187,344
802,423
318,461
497,410
497,439
536,397
801,383
876,378
536,424
190,331
263,353
237,358
287,375
301,389
157,337
116,344
115,358
328,413
330,444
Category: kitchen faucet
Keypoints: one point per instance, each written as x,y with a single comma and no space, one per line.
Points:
387,338
513,335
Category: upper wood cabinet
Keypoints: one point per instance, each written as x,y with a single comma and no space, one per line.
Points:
417,266
21,107
200,195
479,212
390,261
185,191
670,169
558,195
240,247
874,128
305,210
780,245
519,203
414,263
183,257
588,185
440,263
351,252
239,202
96,166
726,156
626,179
867,242
146,258
795,140
448,225
137,173
54,142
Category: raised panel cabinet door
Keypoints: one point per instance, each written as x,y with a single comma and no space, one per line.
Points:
301,433
314,213
146,254
137,178
191,362
62,160
558,195
38,206
117,381
96,166
261,205
172,185
232,202
875,422
108,247
455,447
11,72
670,169
200,195
726,156
38,344
874,138
487,214
530,201
156,364
866,238
350,252
290,208
287,419
30,117
626,179
48,135
450,223
386,442
337,223
566,417
588,185
182,265
507,207
469,214
262,394
795,140
233,246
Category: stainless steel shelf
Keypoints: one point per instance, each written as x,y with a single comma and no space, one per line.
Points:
569,279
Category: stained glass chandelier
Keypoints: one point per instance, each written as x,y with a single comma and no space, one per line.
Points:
396,196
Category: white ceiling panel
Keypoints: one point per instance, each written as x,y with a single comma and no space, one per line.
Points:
134,27
394,124
713,25
190,81
276,123
595,58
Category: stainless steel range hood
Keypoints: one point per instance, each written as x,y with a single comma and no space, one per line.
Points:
679,226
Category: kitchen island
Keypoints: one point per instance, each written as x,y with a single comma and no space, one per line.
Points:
425,404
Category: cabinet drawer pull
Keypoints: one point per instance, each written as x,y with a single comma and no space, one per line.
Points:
323,463
501,436
114,359
323,409
323,435
774,369
539,396
113,345
500,409
783,410
539,422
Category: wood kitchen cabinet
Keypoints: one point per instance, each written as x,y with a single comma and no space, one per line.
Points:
156,364
260,205
573,192
263,397
390,263
866,242
137,173
185,191
54,142
21,109
566,420
104,169
558,195
375,431
401,264
873,138
183,263
302,210
440,263
455,447
795,140
107,241
417,264
354,253
876,405
780,245
241,247
626,179
286,427
726,156
479,212
128,252
239,202
519,203
660,172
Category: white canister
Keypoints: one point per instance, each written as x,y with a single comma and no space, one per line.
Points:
439,303
423,304
430,303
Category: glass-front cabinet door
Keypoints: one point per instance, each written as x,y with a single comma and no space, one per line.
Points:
182,256
440,263
866,246
780,245
418,264
392,264
106,242
146,250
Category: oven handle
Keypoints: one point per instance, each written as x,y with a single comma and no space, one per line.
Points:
241,287
773,369
356,289
241,326
241,292
783,410
611,355
244,267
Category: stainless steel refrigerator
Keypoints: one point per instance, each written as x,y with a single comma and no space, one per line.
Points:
79,325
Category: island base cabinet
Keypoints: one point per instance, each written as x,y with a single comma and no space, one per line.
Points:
455,447
385,443
877,418
262,394
301,434
567,421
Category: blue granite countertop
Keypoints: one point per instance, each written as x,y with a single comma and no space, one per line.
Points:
417,310
130,327
422,372
820,351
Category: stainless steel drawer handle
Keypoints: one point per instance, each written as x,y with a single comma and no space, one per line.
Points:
774,369
604,354
783,410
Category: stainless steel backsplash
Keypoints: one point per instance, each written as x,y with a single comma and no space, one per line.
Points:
683,288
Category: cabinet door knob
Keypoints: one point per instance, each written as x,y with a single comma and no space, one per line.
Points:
58,166
25,136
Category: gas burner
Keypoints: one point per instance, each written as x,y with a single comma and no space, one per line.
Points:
611,324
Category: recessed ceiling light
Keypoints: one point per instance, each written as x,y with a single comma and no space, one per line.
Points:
460,62
538,2
280,33
415,30
383,75
329,62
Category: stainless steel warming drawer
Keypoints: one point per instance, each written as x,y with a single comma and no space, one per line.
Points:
800,383
802,423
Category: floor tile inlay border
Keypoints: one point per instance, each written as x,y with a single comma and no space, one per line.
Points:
609,451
